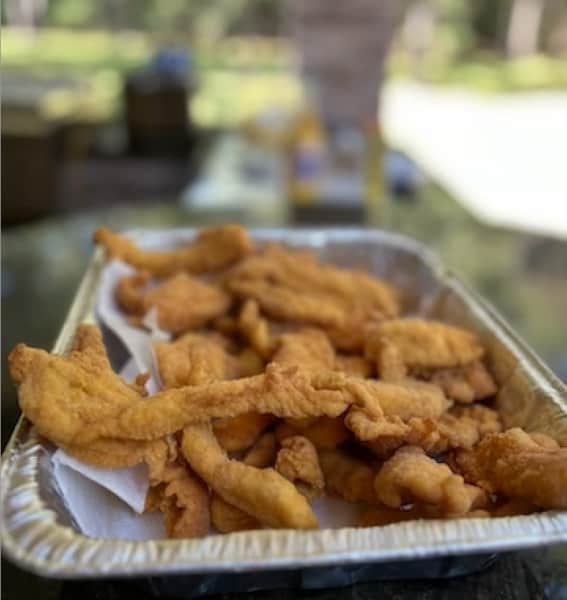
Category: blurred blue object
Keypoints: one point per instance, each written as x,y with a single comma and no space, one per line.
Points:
402,175
173,62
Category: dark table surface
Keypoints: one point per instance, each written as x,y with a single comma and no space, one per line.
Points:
523,275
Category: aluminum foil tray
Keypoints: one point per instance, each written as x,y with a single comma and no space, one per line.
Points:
38,532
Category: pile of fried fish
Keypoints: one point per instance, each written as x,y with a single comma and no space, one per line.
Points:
287,379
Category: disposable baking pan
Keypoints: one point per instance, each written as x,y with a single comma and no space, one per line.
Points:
38,532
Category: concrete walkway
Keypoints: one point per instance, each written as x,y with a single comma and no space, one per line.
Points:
503,156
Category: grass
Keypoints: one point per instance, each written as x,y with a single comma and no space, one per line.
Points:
488,73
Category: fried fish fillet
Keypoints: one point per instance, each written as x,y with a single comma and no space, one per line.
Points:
518,466
249,363
182,302
262,493
302,271
307,349
397,403
240,432
411,476
227,518
194,359
460,427
324,433
401,345
281,392
294,286
63,396
345,326
283,303
213,249
263,452
348,477
72,406
354,365
184,502
255,328
466,384
297,461
114,454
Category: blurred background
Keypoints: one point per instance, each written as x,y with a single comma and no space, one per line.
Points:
445,120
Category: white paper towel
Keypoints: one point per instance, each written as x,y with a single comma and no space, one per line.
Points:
101,514
107,503
136,340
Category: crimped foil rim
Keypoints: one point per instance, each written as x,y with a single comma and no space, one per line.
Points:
34,539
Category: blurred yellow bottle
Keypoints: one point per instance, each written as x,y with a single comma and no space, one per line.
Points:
307,155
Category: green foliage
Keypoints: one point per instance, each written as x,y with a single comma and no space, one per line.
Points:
71,13
69,51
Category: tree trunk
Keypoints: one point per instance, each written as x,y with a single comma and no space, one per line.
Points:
523,27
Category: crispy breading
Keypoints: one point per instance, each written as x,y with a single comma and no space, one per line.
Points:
280,302
544,440
324,433
294,286
263,452
88,407
212,250
227,518
255,328
352,364
182,302
240,432
307,349
281,392
368,427
64,395
300,424
194,359
262,493
385,407
348,477
344,325
249,363
518,466
113,454
301,271
184,502
400,345
71,405
410,476
487,420
297,460
88,348
435,436
459,428
466,384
